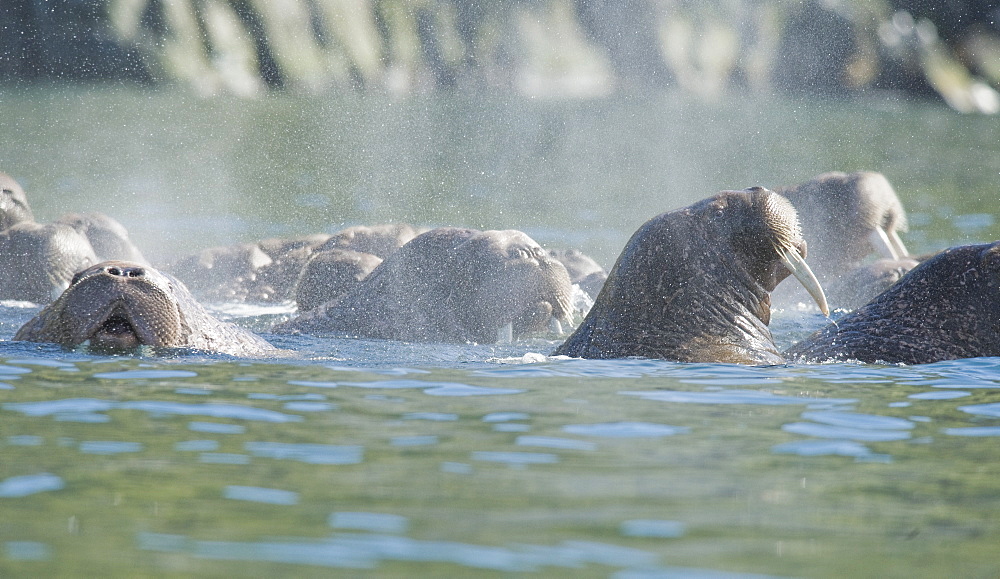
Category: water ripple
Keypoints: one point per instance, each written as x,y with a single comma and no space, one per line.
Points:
555,442
29,484
261,495
735,397
822,448
625,429
374,522
992,409
308,453
845,432
857,420
146,374
92,405
514,457
973,431
435,388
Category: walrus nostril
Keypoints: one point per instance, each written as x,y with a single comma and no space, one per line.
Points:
125,271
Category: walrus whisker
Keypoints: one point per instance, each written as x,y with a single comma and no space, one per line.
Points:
791,259
881,242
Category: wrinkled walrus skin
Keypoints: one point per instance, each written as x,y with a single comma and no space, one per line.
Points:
120,306
692,285
450,285
946,308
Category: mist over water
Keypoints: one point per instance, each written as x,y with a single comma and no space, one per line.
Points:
184,173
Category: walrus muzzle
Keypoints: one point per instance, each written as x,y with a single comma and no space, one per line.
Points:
113,305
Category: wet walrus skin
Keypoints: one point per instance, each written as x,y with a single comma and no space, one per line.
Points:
946,308
692,285
120,306
450,285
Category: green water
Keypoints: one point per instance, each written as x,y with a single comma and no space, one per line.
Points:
379,459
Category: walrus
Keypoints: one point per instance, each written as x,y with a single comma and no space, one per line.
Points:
38,261
845,218
14,206
106,235
331,273
451,285
269,270
692,284
119,306
379,240
945,308
583,270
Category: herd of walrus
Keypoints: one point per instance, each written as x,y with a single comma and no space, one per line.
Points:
692,285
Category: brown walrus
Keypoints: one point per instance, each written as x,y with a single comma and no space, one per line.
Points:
119,306
692,284
945,308
14,206
38,261
451,285
845,218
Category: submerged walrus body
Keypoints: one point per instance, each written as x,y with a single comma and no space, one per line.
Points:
451,285
946,308
692,285
120,306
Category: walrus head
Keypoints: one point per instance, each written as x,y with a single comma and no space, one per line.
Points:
113,305
14,206
846,217
693,285
510,279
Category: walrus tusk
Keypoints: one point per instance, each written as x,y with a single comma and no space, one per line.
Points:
883,244
800,269
897,244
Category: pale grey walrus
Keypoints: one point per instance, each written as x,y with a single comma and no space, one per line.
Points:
38,261
692,284
119,306
846,218
270,270
945,308
107,236
451,285
14,206
582,269
330,274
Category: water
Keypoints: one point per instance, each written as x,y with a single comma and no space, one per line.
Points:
375,458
